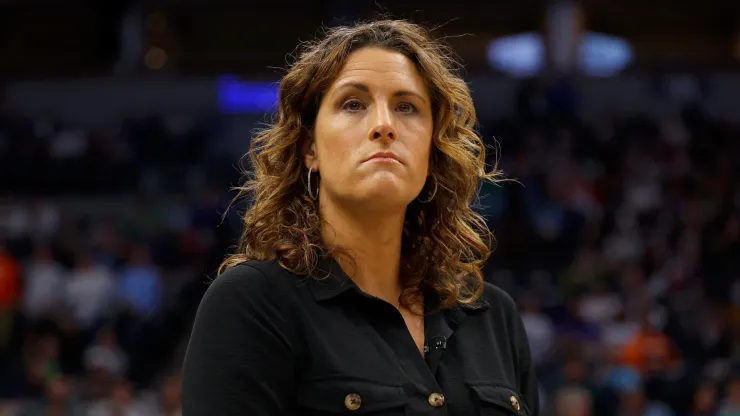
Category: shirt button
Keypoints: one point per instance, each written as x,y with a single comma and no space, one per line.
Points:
436,400
514,403
352,401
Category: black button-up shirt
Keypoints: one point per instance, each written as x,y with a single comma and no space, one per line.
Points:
267,342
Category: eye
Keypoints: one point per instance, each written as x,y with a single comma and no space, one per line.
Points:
406,108
353,105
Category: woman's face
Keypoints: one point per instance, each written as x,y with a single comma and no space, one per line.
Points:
373,133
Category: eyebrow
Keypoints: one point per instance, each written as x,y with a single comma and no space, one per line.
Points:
364,88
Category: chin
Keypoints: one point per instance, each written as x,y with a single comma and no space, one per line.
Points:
381,191
385,197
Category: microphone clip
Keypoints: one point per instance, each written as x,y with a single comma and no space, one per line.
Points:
435,344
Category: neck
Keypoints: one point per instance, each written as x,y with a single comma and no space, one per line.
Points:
374,242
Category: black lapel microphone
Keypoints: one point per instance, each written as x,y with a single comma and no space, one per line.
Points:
433,352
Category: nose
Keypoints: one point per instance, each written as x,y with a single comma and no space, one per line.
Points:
383,125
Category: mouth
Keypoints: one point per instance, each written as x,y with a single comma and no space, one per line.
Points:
384,157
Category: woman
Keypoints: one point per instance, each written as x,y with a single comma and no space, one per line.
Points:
357,284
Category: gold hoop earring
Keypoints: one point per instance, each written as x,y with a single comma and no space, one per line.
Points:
434,192
310,192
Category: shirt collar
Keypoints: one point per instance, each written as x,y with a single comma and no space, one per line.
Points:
329,281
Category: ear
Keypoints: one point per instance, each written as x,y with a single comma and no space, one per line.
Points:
308,150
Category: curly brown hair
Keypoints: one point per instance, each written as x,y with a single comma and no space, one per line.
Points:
445,243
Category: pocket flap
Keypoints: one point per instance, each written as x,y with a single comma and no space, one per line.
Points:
342,394
500,396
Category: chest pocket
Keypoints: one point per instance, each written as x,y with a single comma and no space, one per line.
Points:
350,396
496,400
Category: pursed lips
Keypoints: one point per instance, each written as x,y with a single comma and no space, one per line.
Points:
384,157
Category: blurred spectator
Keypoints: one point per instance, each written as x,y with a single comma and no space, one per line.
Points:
705,400
59,400
171,397
539,328
628,385
105,356
89,291
649,351
37,220
10,287
139,284
44,283
731,405
121,402
573,402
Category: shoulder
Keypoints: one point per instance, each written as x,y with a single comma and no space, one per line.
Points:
501,311
248,283
499,300
252,275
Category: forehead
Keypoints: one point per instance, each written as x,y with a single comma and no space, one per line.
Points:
381,68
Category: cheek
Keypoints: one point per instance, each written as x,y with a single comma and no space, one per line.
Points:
337,148
423,149
421,130
336,153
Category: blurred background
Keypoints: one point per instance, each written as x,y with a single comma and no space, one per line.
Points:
122,123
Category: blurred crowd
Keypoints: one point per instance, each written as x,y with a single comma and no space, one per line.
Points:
619,238
621,243
108,236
